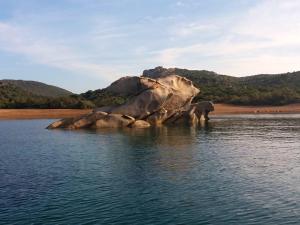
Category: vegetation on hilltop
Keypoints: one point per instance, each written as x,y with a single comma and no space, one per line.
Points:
277,89
102,97
12,96
38,88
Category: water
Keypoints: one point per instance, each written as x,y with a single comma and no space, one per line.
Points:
235,170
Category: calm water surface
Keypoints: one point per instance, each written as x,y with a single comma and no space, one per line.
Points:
235,170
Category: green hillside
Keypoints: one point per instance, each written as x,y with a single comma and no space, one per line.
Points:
102,97
38,88
277,89
14,96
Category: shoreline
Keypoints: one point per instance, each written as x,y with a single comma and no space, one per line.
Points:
226,109
10,114
220,109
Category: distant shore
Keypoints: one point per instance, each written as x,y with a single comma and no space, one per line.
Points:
220,109
41,113
235,109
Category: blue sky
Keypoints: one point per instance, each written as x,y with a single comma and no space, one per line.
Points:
87,44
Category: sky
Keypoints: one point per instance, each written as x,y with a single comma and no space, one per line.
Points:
84,45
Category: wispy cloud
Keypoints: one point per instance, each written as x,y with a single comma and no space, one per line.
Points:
53,53
264,39
109,39
193,28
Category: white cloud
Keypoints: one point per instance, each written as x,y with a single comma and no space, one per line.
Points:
277,21
49,52
264,39
179,3
185,30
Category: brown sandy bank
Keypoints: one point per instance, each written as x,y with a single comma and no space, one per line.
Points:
233,109
40,113
64,113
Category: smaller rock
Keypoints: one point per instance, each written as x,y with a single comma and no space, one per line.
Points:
114,121
202,109
56,124
140,124
63,123
128,117
87,120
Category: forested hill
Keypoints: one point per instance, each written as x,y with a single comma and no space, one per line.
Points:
265,89
38,88
278,89
31,94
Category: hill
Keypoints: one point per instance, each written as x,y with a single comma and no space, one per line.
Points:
265,89
38,88
30,94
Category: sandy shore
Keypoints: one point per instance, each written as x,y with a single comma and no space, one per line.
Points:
40,113
233,109
64,113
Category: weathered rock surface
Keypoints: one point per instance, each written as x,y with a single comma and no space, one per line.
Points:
113,121
165,100
77,122
127,86
140,124
60,123
169,93
88,120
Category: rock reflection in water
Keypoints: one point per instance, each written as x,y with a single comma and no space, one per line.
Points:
170,150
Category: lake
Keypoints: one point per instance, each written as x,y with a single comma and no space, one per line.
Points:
233,170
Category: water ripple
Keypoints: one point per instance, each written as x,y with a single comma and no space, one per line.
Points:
234,170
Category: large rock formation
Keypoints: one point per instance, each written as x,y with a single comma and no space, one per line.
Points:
164,100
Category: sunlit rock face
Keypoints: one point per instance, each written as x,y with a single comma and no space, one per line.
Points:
165,100
170,93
